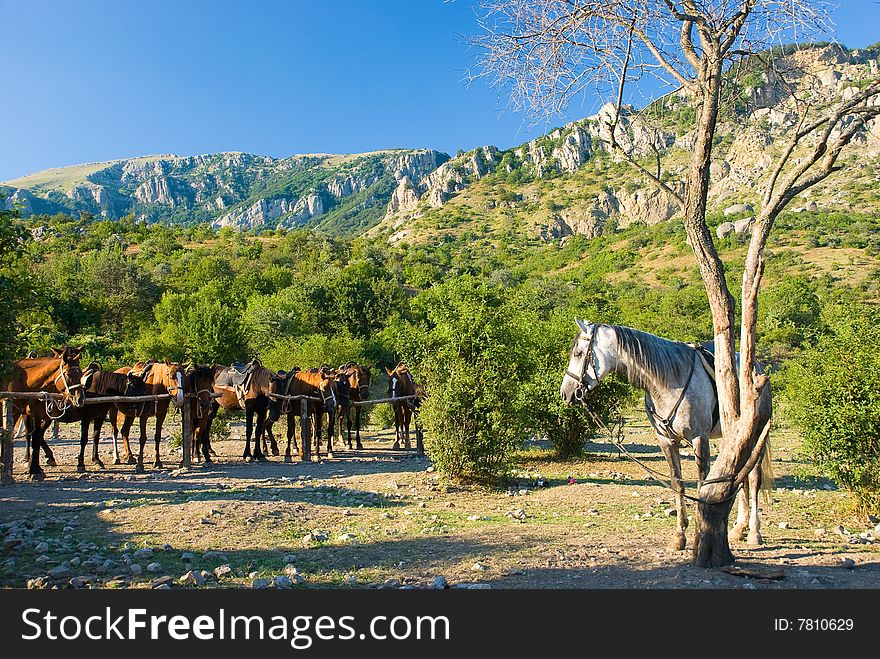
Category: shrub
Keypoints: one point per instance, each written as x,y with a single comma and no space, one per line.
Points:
832,393
473,356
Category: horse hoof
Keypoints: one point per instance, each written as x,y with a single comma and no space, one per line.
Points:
395,446
51,462
288,459
359,447
208,460
755,540
117,461
37,475
100,464
80,468
130,460
158,464
139,469
275,451
260,458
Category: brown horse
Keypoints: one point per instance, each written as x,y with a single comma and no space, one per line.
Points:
254,400
359,390
59,374
159,378
400,384
314,383
202,408
100,383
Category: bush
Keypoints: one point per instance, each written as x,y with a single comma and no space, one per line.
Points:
832,393
473,356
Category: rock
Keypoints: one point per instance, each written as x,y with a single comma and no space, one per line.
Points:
75,561
165,580
164,586
192,578
847,563
80,582
62,571
744,225
351,580
136,569
68,529
42,548
223,571
290,570
736,209
214,556
42,559
167,547
282,582
783,525
519,514
259,584
154,567
670,512
841,531
12,543
346,537
479,586
142,553
439,582
187,556
479,567
391,583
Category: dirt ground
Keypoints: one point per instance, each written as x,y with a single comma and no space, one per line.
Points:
383,518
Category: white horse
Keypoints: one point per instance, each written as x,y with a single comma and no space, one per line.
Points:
681,402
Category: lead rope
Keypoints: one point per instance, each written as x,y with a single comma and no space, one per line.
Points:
617,441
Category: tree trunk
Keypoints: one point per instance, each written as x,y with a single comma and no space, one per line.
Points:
711,548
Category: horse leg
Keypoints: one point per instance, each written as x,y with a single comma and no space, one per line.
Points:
407,419
742,515
754,538
34,470
115,428
291,427
272,440
96,437
673,459
26,424
316,432
50,457
160,419
249,429
331,428
142,440
259,456
346,418
357,426
701,456
126,429
397,424
83,440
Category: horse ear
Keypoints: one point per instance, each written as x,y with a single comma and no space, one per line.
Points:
583,324
167,363
389,371
74,354
57,353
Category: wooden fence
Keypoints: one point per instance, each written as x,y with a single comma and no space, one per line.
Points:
7,434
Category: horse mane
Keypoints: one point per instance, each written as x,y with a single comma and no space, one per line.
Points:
103,381
651,359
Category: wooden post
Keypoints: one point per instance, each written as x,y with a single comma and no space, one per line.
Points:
55,425
306,431
6,454
420,446
187,433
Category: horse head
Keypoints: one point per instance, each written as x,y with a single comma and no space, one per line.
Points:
70,375
342,387
327,391
586,364
359,378
279,385
135,385
173,382
200,379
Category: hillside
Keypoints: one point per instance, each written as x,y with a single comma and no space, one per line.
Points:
340,194
553,187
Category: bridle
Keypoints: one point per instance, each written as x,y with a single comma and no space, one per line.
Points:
69,390
588,360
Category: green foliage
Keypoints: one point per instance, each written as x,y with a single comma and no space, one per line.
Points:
789,313
314,350
14,289
832,393
472,354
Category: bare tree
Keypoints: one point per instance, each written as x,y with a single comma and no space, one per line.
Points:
545,52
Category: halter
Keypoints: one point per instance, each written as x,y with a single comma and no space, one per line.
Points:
199,413
69,388
588,359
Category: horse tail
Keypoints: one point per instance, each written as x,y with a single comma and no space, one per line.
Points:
766,470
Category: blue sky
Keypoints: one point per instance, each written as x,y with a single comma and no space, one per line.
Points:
91,81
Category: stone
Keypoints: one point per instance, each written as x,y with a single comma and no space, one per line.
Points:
479,567
62,571
42,547
192,578
12,543
736,209
346,537
214,556
439,582
290,570
136,569
154,567
259,584
783,525
670,512
222,571
847,563
282,582
163,586
391,583
142,553
187,556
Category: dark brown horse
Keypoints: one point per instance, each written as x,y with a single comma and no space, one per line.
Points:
100,383
59,374
202,408
252,398
401,384
314,383
359,390
159,378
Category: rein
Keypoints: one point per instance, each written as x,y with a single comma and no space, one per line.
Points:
588,359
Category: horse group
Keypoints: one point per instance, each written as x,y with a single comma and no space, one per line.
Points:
264,396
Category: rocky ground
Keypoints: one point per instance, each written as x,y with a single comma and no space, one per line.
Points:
382,518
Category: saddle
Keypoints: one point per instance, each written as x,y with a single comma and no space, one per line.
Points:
145,371
706,353
238,377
